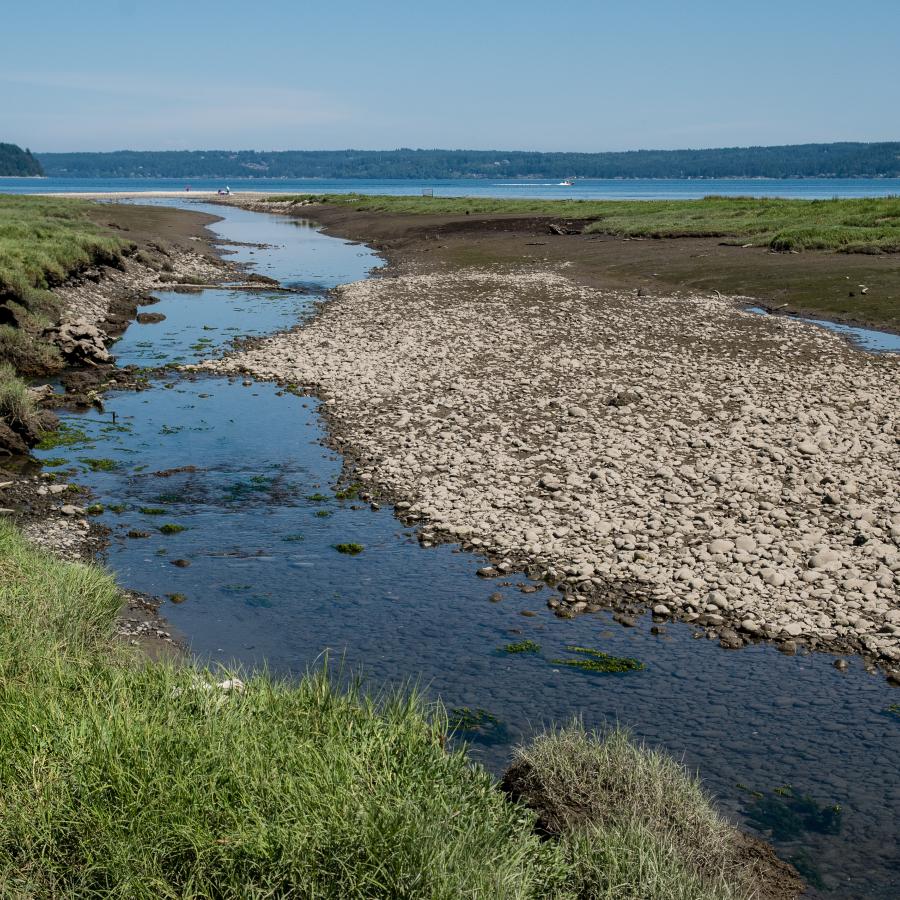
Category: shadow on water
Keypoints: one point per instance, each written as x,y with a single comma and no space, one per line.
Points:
241,473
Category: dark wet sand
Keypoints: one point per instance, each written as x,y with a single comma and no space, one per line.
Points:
810,283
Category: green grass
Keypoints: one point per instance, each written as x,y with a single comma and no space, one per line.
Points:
637,823
121,779
17,408
863,225
43,241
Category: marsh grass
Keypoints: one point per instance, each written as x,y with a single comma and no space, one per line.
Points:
639,809
44,240
870,225
17,408
129,780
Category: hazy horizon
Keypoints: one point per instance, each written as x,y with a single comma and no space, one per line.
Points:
40,152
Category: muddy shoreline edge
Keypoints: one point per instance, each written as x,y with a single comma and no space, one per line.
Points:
172,246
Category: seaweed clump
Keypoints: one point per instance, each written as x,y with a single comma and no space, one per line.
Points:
522,647
597,661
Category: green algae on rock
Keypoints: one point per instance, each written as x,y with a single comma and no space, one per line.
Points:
522,647
598,661
350,549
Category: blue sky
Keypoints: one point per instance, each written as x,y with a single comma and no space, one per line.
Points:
601,75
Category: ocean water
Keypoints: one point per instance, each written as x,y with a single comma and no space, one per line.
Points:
587,189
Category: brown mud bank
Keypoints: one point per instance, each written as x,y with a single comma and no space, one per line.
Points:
853,289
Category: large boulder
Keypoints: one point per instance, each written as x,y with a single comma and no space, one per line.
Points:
80,341
11,443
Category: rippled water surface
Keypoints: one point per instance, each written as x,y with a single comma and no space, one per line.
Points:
582,189
805,753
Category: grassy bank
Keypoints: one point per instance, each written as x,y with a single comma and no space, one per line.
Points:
42,242
859,226
125,779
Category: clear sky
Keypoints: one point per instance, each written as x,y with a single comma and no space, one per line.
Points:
486,74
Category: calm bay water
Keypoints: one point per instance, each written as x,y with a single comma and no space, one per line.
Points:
588,189
779,740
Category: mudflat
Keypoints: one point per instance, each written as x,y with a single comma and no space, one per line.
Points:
811,282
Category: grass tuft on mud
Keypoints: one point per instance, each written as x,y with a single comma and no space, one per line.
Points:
17,407
127,779
637,824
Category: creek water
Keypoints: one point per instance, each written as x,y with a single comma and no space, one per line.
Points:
864,338
789,746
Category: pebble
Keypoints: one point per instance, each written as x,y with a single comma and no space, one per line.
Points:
679,446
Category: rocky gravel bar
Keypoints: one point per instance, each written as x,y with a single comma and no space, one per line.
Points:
734,471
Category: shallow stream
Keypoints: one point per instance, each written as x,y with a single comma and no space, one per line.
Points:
780,740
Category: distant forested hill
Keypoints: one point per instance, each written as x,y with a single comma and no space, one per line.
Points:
801,160
16,161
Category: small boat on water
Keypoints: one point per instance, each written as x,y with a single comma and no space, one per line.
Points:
568,182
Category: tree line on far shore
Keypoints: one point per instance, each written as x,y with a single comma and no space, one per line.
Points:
18,162
838,160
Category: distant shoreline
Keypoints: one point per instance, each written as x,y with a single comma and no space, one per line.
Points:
320,178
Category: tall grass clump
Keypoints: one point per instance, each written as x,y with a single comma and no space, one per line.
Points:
17,407
52,612
636,822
